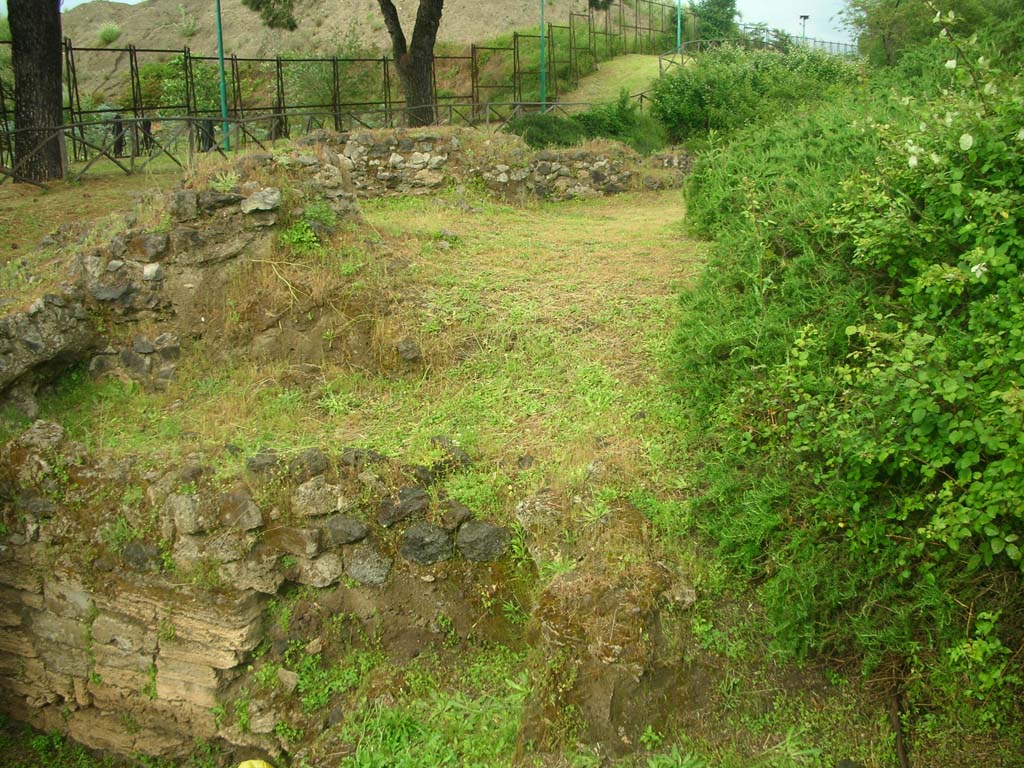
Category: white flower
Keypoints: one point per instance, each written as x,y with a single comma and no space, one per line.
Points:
951,64
935,158
922,127
966,141
905,100
990,88
979,269
947,120
912,161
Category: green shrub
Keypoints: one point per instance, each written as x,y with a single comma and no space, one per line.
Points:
187,26
729,87
164,84
318,683
309,79
301,238
109,33
853,361
620,120
546,130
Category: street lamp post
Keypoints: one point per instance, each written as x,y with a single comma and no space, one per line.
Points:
223,83
803,26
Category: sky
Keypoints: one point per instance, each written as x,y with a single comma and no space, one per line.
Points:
779,14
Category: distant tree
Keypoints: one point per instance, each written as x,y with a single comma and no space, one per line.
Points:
414,58
886,29
716,19
38,103
276,14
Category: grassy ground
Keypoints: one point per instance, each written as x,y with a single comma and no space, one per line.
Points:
635,73
541,333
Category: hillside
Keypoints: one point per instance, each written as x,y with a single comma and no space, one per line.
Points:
322,25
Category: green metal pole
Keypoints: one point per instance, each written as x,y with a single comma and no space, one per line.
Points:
679,25
223,83
543,60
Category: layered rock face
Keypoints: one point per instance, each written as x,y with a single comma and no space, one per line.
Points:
124,663
127,624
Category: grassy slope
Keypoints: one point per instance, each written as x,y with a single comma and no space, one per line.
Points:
634,72
159,24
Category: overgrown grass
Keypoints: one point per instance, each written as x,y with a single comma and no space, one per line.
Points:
540,337
469,720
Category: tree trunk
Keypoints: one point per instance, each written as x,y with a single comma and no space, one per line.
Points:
415,61
38,103
417,78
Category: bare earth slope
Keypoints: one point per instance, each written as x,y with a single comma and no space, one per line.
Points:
322,23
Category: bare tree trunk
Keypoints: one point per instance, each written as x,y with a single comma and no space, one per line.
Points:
417,79
36,59
415,61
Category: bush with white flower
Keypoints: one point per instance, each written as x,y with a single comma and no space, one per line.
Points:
860,387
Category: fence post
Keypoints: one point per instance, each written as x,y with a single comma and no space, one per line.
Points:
280,108
335,94
433,85
133,69
517,89
6,142
387,89
190,84
622,27
74,102
551,75
474,77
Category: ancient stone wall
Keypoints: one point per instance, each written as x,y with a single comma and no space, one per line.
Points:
384,163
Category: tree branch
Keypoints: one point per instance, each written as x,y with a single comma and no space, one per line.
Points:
394,25
428,21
